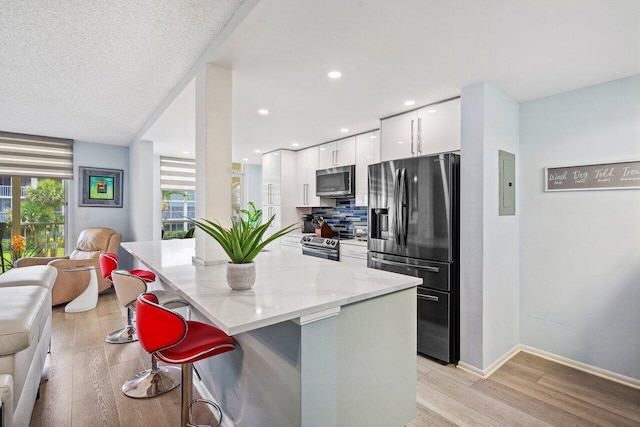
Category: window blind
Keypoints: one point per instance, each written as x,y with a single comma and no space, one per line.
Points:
177,174
37,156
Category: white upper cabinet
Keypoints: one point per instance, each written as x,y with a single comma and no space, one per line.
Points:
337,153
306,166
346,151
429,130
271,178
367,153
440,127
397,135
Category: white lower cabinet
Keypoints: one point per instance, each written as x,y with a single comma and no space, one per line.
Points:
353,254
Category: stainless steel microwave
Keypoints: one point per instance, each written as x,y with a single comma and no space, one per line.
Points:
336,182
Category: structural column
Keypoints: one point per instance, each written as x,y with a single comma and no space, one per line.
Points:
213,157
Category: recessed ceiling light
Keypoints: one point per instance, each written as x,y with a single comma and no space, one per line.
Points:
257,151
409,102
344,130
245,159
263,111
295,144
334,74
431,111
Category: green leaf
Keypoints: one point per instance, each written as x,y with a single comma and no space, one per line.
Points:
242,242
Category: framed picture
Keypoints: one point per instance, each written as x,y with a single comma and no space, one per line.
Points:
100,187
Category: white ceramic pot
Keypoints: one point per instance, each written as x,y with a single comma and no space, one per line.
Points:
241,276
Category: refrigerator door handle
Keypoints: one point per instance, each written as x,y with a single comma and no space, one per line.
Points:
396,207
428,297
399,264
404,209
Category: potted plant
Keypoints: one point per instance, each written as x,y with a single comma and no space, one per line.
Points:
242,242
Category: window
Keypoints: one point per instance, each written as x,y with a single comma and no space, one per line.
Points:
178,186
33,171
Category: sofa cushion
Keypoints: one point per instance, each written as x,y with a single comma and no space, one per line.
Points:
35,275
24,311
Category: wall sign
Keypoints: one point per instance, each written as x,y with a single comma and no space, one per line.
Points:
602,176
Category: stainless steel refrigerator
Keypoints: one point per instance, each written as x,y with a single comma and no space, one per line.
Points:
414,229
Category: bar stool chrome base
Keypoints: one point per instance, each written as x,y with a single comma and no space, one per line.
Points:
152,382
187,401
126,334
122,336
206,402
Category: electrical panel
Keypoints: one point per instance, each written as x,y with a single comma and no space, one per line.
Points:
507,182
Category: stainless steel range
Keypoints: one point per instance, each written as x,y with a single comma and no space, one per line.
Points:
321,247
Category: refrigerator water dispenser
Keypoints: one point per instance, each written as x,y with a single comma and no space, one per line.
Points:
379,223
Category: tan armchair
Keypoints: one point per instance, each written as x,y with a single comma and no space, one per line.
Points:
91,243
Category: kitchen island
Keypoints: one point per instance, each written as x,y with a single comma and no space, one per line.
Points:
320,343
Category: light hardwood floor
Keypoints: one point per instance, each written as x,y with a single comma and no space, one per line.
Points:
86,373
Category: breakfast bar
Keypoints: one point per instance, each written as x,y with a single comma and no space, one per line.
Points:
320,343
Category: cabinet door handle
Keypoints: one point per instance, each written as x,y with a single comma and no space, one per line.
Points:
419,135
337,161
412,152
304,195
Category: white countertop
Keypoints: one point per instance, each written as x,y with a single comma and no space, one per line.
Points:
354,242
287,286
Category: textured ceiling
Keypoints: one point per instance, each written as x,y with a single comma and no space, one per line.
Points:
98,70
391,51
106,71
424,50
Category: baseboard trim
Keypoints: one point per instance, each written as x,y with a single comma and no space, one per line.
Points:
471,369
593,370
485,373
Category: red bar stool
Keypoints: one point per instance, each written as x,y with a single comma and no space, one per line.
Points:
172,339
108,264
156,380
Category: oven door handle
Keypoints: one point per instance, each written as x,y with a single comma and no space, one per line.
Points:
319,251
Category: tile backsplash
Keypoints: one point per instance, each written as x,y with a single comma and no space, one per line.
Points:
343,217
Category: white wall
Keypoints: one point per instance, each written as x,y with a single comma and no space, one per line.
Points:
501,233
580,250
100,156
471,224
489,282
144,191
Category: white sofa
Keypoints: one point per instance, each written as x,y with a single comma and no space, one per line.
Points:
25,335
